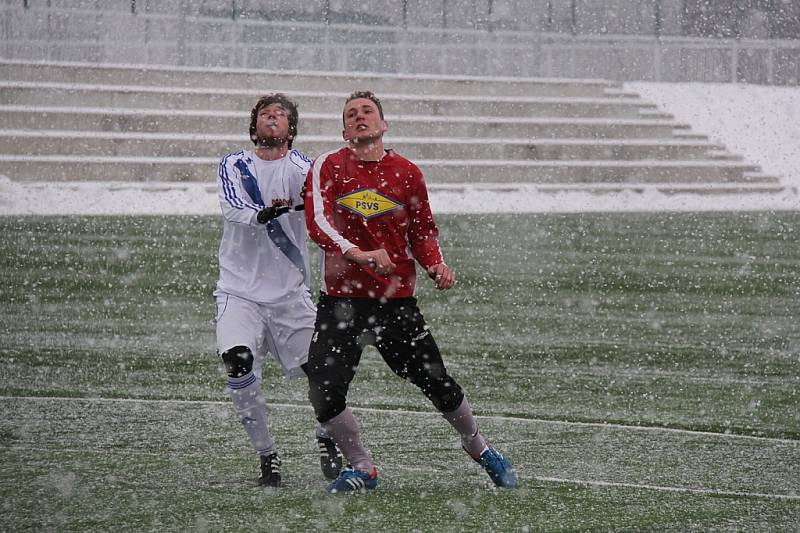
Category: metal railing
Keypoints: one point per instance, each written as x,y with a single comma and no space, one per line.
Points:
121,36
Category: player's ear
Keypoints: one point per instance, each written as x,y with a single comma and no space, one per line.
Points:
384,126
344,135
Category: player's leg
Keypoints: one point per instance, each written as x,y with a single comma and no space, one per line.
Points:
291,326
333,357
408,347
240,347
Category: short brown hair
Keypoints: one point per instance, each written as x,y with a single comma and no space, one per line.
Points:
288,105
369,95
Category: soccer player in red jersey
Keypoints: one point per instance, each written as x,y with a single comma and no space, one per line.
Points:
367,208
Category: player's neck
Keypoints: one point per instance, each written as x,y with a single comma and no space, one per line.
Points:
271,153
368,150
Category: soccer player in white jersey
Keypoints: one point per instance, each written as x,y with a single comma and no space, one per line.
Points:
262,296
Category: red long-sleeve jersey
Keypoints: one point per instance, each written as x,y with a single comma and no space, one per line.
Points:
372,205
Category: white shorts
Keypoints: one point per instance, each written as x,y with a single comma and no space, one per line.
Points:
283,330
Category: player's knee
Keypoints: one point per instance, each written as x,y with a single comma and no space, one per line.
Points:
326,404
238,361
446,397
450,400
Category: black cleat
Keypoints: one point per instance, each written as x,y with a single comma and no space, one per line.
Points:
270,470
330,458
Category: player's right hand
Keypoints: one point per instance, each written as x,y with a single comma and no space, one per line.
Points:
442,275
268,213
378,260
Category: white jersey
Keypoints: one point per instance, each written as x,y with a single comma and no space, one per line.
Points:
263,263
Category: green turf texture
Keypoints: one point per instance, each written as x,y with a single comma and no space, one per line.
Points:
625,322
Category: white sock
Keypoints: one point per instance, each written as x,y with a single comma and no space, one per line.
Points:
343,429
464,422
249,404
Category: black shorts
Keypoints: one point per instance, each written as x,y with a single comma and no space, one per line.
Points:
396,328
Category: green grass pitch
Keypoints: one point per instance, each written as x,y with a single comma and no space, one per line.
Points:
641,370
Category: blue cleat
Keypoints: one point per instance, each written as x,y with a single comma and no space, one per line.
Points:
499,468
350,480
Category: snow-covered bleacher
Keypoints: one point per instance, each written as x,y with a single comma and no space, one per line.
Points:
81,121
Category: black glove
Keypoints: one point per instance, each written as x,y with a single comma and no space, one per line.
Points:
268,213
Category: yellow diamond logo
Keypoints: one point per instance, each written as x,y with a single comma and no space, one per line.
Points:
368,203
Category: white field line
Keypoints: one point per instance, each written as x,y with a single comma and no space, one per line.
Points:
598,425
595,483
652,375
712,492
545,479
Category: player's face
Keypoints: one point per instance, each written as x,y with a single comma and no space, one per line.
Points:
272,125
362,121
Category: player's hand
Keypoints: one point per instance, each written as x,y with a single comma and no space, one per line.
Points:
442,275
268,213
378,260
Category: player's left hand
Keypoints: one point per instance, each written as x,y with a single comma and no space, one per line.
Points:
443,275
268,213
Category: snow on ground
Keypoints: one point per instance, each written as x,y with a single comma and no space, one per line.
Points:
760,123
114,198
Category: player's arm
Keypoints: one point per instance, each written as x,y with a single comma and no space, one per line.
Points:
320,198
321,228
378,260
235,205
319,209
423,236
300,167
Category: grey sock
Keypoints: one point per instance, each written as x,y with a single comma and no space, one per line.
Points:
464,422
250,407
320,432
343,429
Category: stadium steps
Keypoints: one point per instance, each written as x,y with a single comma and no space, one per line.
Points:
137,144
183,98
220,78
76,121
232,122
